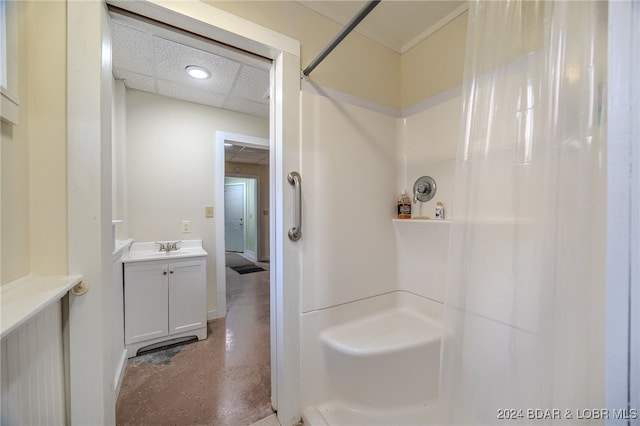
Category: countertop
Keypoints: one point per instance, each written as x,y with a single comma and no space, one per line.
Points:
147,251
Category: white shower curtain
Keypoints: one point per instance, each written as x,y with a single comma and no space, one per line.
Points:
524,316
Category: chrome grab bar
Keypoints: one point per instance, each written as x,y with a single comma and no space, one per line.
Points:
296,232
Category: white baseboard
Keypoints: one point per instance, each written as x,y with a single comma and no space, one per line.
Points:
250,254
122,366
212,314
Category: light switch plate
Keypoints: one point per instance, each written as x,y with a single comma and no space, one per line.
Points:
208,211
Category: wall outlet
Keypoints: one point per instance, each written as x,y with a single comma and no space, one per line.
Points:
186,226
208,212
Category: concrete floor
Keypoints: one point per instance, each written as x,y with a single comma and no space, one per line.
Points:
223,380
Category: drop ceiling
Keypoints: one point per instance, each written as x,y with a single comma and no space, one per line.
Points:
153,59
237,153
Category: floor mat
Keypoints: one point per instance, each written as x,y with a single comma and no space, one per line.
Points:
247,269
234,259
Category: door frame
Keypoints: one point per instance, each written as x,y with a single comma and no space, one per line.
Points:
221,278
91,401
259,254
622,377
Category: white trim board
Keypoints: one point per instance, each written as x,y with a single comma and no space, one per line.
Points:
317,89
431,102
212,315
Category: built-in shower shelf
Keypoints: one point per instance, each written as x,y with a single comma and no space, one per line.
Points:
497,221
430,221
25,298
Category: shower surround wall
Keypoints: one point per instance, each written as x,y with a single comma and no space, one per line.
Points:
357,259
348,177
428,146
353,171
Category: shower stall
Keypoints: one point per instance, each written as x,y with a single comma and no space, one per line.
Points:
501,307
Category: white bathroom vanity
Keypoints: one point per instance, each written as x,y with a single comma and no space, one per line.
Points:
164,294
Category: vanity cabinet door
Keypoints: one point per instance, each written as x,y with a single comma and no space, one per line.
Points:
145,301
187,296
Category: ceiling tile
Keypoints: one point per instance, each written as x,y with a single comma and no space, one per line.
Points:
246,154
172,58
253,155
252,83
134,49
153,59
233,149
136,81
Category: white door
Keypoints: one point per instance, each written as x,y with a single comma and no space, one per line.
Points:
234,217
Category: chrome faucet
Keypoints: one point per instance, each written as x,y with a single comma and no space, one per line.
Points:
168,246
424,189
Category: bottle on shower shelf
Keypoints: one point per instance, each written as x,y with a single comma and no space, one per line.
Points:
439,210
404,206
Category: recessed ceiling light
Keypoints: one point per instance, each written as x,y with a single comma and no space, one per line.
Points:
197,72
228,144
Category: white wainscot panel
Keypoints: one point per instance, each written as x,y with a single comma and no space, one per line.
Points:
33,371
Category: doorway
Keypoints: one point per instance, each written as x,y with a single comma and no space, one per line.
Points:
155,112
90,88
243,159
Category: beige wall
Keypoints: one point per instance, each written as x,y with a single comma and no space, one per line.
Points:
34,204
170,169
15,201
434,65
48,136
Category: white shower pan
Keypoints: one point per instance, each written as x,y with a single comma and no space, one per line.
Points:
376,362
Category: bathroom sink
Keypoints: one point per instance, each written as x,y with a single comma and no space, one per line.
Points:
158,254
146,251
